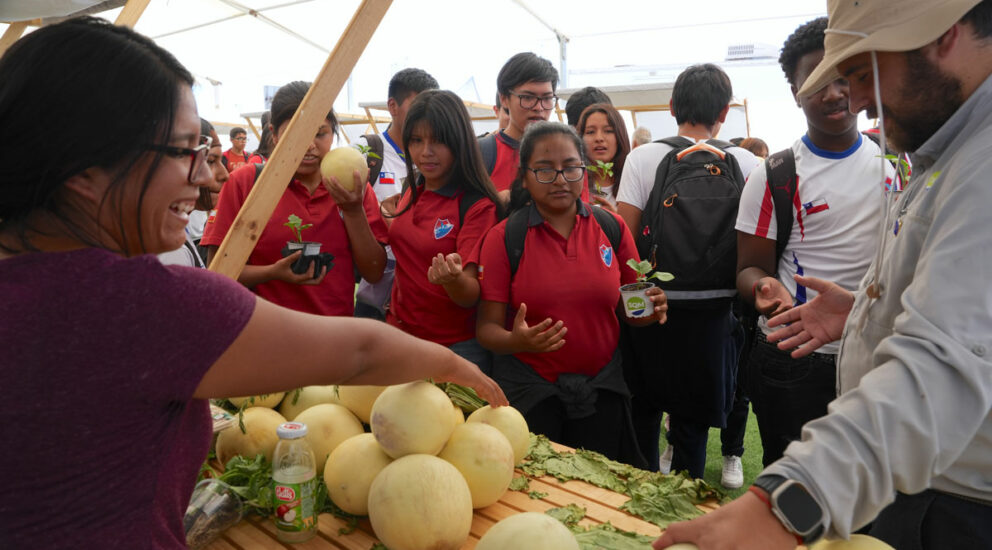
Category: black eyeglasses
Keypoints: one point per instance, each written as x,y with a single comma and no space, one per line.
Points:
549,175
529,101
198,154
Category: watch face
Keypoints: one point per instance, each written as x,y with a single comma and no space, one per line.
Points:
799,507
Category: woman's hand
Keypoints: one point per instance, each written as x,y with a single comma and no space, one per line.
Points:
283,271
465,373
659,300
445,269
389,205
542,337
815,323
350,202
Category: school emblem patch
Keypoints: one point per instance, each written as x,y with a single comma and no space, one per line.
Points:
442,228
606,254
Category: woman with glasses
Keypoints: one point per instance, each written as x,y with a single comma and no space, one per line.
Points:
105,410
346,223
552,321
439,224
604,134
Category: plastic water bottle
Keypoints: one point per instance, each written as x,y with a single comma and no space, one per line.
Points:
294,478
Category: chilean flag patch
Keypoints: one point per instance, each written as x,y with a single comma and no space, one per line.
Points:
606,253
442,228
387,178
812,207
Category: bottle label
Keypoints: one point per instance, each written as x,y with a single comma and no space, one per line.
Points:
295,505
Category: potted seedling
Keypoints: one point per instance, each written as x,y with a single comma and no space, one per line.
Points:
311,250
635,299
601,171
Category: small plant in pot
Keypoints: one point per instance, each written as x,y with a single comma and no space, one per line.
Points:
636,302
311,250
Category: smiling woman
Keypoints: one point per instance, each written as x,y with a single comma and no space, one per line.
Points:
91,319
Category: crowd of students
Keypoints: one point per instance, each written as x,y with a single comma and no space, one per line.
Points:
500,259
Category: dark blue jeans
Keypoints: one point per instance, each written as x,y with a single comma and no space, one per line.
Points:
787,393
934,521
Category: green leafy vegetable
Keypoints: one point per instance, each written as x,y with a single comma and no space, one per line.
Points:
519,483
570,515
367,151
465,398
536,495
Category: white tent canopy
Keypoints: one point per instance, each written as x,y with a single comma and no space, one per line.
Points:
238,47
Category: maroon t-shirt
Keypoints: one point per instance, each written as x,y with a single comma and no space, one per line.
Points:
99,358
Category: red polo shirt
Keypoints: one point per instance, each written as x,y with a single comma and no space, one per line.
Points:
508,162
235,160
575,280
430,227
335,295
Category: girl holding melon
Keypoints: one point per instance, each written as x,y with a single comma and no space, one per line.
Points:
346,221
553,320
438,226
91,319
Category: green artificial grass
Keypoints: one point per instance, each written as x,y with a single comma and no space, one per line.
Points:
751,458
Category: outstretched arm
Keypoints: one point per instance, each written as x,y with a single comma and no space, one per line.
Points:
818,322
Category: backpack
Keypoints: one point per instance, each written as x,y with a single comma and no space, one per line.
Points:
375,164
223,159
517,226
487,144
688,224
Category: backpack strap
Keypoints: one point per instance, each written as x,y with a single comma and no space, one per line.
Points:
781,181
609,225
488,146
375,164
514,236
515,233
676,142
465,202
258,171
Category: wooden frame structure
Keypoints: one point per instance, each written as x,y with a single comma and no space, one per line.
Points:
128,17
261,202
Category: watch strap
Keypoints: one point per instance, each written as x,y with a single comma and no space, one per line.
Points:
769,483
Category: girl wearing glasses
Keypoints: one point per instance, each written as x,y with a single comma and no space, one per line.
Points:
553,322
346,223
439,224
90,318
604,134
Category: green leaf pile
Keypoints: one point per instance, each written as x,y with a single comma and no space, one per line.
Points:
657,498
598,537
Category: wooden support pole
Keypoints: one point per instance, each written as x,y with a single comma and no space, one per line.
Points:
261,202
254,130
13,32
132,11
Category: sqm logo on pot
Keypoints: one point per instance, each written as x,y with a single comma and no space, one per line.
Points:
636,305
285,493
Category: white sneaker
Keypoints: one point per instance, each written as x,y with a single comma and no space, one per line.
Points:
665,462
733,472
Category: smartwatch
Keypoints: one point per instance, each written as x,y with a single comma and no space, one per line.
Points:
794,506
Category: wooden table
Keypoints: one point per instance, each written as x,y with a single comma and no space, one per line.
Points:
601,506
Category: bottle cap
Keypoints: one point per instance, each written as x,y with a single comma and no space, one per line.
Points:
291,430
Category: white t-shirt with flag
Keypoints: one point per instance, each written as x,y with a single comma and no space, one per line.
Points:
837,213
393,171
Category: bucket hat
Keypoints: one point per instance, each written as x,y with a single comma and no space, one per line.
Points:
859,26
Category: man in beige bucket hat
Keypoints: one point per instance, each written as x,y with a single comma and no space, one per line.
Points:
907,447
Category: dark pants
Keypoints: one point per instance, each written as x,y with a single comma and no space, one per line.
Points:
366,311
934,521
686,367
732,437
787,393
600,432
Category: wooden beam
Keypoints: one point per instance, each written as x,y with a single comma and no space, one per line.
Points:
13,32
254,130
261,202
132,11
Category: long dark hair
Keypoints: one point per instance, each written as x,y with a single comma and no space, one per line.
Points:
519,196
445,114
107,90
287,100
619,130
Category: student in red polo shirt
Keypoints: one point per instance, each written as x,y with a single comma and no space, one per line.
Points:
346,223
555,320
435,234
